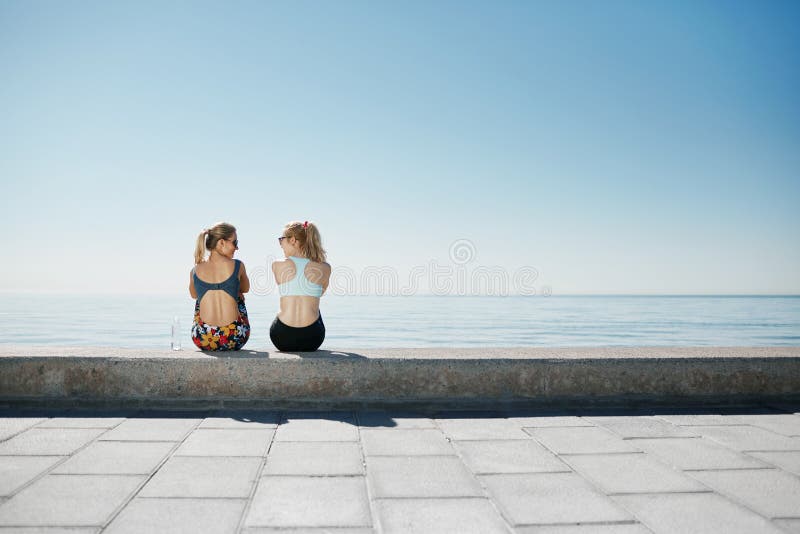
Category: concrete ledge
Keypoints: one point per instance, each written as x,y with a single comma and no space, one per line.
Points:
94,376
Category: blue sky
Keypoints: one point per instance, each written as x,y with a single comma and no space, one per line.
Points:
616,147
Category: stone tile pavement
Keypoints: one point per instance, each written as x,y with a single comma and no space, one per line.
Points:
608,470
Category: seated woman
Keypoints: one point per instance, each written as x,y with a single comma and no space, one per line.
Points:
302,278
219,283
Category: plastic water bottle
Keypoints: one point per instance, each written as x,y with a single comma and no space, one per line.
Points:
176,333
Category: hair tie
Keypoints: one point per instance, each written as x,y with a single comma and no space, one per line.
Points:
305,224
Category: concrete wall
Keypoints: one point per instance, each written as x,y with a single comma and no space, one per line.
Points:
460,377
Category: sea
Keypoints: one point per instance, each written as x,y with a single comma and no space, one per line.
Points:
146,321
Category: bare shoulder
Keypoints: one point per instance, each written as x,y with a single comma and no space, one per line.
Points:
323,266
281,265
283,270
318,272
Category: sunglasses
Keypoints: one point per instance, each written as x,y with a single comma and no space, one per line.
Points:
235,242
282,238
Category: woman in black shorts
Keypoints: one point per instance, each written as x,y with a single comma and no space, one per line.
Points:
302,278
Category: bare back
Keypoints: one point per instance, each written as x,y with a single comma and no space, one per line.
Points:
217,307
300,310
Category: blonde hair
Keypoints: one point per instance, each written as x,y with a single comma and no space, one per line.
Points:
307,235
208,239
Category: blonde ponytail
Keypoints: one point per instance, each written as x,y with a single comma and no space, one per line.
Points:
313,245
307,235
200,247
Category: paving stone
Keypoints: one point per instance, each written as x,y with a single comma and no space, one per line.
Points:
230,442
701,419
789,525
548,420
243,420
64,500
117,458
323,530
200,476
175,414
586,528
631,473
151,429
784,424
690,513
381,419
16,471
322,459
749,438
641,427
14,425
479,429
345,416
456,516
314,458
420,476
509,456
287,501
86,419
614,411
469,414
786,460
49,530
48,441
324,426
413,441
178,516
770,492
578,440
551,498
696,453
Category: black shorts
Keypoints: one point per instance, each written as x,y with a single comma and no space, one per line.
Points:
297,339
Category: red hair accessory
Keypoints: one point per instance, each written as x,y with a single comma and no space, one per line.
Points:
305,224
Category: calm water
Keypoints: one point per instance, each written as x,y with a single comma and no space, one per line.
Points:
423,321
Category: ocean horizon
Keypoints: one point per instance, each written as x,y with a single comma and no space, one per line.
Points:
369,321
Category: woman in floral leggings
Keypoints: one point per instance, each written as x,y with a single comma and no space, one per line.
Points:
219,283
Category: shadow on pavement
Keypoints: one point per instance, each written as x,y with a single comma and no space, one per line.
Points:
372,418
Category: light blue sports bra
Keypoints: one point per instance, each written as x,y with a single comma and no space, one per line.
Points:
300,285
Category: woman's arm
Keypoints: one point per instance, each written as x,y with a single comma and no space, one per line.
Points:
327,277
244,281
192,290
277,271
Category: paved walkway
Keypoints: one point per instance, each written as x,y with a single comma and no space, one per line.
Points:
611,471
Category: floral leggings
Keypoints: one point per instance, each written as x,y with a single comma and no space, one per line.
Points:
229,337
